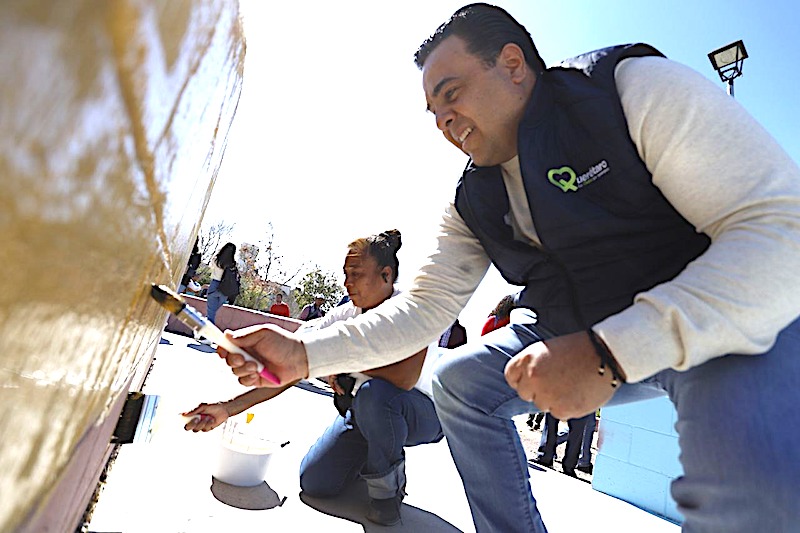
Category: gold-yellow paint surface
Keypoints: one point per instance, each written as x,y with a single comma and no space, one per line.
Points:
114,117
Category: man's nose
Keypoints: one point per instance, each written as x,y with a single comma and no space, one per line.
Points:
444,118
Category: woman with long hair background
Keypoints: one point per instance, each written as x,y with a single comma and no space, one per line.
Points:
224,259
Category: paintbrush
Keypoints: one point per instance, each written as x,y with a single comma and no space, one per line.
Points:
192,318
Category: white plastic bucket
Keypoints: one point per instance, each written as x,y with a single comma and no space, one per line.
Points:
244,455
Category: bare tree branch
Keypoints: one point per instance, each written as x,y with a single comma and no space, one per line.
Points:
211,238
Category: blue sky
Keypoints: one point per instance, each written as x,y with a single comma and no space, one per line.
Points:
686,32
332,142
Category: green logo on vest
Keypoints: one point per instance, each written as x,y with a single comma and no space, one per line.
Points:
565,185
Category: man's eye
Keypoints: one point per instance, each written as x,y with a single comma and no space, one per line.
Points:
449,95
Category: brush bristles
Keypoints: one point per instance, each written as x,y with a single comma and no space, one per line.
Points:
169,300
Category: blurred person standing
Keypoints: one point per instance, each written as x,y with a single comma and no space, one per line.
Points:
279,307
314,309
224,260
191,269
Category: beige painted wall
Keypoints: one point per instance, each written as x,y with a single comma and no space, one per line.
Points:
114,116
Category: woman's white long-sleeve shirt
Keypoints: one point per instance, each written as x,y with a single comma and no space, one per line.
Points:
348,310
216,271
716,165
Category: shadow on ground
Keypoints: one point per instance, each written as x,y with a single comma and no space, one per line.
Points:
352,505
258,498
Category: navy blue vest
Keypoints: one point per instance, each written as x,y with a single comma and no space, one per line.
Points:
607,232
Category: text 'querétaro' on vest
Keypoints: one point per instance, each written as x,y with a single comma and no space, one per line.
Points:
567,180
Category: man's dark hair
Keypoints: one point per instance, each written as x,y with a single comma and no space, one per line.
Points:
485,29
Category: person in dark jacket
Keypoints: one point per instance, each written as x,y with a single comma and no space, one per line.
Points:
191,268
314,309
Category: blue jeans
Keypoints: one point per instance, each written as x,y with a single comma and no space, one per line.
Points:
737,427
214,300
369,441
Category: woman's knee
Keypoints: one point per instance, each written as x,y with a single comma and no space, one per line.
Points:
315,480
374,398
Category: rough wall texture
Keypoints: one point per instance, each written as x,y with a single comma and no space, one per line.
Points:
114,117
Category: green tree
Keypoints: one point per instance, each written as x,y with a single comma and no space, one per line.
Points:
253,292
318,282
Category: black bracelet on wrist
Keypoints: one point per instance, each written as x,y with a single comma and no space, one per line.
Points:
605,359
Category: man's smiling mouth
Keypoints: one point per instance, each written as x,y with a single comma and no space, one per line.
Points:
464,135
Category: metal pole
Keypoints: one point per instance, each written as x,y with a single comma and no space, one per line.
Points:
730,87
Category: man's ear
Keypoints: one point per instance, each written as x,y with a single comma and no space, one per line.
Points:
386,273
512,59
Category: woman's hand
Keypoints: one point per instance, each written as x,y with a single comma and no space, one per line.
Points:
206,417
335,385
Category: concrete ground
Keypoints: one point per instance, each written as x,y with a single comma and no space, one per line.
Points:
166,485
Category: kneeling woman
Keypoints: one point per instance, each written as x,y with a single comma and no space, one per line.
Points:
381,410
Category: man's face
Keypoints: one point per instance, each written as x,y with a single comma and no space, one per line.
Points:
477,108
318,302
278,298
364,281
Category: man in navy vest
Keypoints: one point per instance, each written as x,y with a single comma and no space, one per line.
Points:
655,228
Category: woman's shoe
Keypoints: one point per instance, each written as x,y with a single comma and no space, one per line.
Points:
385,512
